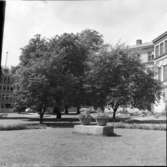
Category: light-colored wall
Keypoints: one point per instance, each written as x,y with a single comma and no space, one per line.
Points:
160,62
144,57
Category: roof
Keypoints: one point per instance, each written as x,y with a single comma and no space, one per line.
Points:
160,37
143,45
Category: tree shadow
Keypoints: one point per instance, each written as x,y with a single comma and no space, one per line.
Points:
131,120
60,124
113,135
55,119
151,121
69,122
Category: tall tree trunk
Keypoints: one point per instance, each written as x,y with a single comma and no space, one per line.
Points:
78,108
114,114
58,113
102,108
115,110
66,109
41,117
42,112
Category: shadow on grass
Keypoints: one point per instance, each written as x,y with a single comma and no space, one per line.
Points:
113,135
69,122
146,121
60,124
129,120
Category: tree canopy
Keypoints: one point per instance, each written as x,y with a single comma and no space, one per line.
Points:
79,69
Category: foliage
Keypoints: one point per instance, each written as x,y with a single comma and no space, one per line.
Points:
85,117
52,72
121,80
101,119
79,69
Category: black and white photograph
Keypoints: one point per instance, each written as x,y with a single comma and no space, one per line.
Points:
83,83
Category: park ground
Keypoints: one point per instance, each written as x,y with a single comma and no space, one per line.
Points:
57,145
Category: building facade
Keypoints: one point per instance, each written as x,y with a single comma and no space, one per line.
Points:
160,62
154,56
145,52
6,91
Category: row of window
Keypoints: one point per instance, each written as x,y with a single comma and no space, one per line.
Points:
6,88
6,97
161,49
6,105
6,80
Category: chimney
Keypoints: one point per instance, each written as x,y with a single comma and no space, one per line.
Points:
138,42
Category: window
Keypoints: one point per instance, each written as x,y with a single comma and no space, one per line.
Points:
159,73
165,73
161,49
166,46
150,56
157,51
165,93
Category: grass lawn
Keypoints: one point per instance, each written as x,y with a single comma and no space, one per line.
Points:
59,146
31,120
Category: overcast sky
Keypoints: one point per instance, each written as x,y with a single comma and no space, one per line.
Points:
116,20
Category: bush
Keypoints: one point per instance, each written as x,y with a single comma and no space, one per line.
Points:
21,127
101,119
85,117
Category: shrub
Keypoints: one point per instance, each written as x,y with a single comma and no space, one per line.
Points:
85,117
21,127
101,119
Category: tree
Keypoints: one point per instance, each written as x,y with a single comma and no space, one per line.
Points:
33,88
71,54
31,84
91,39
121,80
35,49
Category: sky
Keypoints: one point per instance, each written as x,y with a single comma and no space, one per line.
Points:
117,20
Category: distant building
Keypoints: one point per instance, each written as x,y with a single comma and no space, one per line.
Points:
154,56
160,61
145,52
6,91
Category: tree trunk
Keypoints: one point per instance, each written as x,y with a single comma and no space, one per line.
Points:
78,108
66,109
41,117
102,108
58,115
114,114
115,110
42,112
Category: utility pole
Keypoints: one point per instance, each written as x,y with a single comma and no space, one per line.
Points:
2,20
6,59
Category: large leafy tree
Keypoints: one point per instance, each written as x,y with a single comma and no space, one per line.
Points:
73,51
78,69
31,84
120,80
52,72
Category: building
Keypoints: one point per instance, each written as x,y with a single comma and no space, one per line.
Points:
154,56
6,91
160,62
145,52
